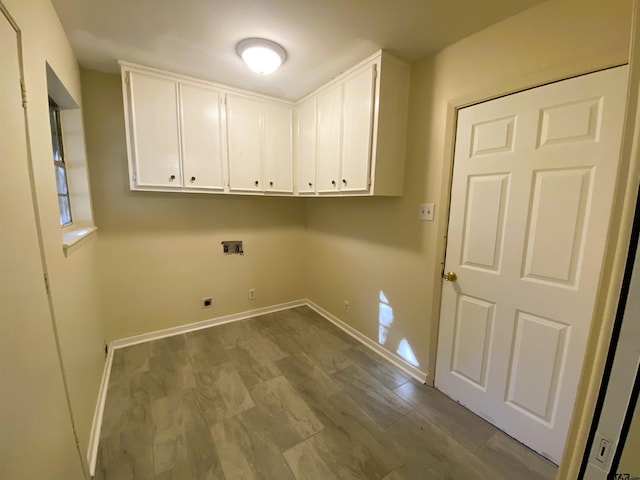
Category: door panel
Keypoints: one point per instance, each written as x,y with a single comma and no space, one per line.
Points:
484,223
201,137
357,128
154,110
561,201
244,131
329,132
532,189
278,148
306,145
533,335
474,325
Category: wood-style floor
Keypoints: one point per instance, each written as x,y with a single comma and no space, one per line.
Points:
289,396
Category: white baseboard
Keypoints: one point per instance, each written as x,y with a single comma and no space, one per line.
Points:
96,426
192,327
398,361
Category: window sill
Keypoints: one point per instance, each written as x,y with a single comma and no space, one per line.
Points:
72,240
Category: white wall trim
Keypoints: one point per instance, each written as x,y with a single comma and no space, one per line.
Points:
398,361
96,426
192,327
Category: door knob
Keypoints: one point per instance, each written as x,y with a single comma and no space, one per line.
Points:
450,276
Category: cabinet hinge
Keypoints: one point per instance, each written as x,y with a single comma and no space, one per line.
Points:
23,89
46,284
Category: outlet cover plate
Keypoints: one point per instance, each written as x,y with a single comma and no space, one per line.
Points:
426,211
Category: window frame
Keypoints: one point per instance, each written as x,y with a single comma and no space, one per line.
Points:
55,122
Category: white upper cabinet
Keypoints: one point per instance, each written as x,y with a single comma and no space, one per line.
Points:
359,131
244,137
278,148
357,125
202,154
154,143
329,138
193,136
306,146
260,144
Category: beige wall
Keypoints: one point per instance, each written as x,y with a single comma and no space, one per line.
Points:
73,280
630,461
363,246
160,253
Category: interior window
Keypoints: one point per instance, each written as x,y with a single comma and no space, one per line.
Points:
64,202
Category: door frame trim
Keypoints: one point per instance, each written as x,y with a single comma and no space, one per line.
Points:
619,229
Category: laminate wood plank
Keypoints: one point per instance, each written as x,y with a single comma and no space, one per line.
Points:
126,455
377,400
434,453
307,464
129,361
248,453
307,377
182,442
278,395
471,431
351,438
386,373
515,461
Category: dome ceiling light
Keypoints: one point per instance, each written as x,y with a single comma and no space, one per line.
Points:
261,55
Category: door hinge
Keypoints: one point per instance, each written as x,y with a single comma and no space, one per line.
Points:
127,78
23,89
375,71
46,284
134,177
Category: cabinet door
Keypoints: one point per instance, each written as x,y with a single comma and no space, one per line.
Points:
329,131
306,146
278,148
154,138
357,128
201,137
245,143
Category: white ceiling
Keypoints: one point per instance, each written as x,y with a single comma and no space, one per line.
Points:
322,37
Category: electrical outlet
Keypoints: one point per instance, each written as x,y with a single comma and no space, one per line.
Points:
252,294
347,307
601,451
207,302
426,211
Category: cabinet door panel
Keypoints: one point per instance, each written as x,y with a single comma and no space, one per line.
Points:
329,131
278,148
245,144
155,138
306,146
201,138
357,130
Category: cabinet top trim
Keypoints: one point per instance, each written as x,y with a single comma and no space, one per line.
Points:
133,67
380,54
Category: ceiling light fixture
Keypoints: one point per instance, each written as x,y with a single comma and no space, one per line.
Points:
261,55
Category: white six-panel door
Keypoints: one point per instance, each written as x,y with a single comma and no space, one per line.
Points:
532,188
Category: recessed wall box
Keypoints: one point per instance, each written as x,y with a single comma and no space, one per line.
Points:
232,247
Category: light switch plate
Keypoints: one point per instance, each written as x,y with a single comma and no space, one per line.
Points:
426,211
